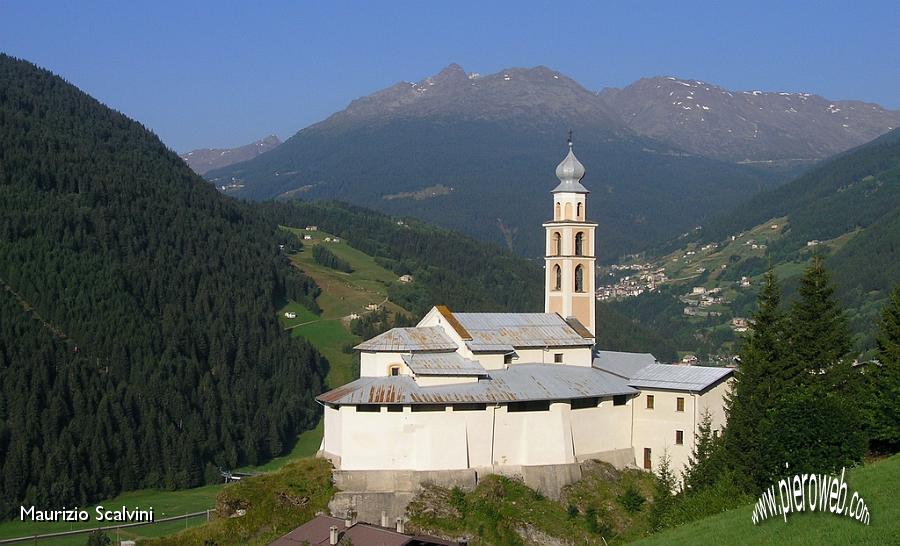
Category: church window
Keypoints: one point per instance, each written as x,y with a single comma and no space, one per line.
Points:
557,243
579,243
650,401
558,215
579,279
557,357
578,211
557,277
568,211
679,404
620,399
679,437
647,457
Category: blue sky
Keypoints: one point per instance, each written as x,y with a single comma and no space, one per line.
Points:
214,74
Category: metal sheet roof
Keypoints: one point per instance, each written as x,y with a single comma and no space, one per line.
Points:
680,378
518,383
426,338
622,364
442,364
501,331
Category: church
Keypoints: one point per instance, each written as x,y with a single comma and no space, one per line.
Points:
508,392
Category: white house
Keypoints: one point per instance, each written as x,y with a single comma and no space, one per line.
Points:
506,392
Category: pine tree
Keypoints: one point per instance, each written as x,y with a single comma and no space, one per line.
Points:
886,377
819,337
704,465
758,381
663,495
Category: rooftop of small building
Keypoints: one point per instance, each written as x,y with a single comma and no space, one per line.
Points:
416,338
517,383
443,364
504,332
643,371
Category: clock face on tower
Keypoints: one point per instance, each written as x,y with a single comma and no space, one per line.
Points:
569,258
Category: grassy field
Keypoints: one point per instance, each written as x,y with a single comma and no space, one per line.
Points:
342,294
876,483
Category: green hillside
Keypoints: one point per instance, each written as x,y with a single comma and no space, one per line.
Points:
846,210
875,482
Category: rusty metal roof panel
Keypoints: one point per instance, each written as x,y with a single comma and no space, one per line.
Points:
519,330
427,338
443,364
518,383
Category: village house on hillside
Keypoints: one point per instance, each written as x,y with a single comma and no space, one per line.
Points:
461,395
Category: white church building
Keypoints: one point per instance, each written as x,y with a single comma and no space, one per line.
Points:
502,392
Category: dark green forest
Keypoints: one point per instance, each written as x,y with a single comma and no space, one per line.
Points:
327,258
139,345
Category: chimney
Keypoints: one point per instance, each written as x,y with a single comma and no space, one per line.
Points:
384,519
333,537
400,526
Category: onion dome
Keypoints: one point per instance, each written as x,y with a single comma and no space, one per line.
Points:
570,172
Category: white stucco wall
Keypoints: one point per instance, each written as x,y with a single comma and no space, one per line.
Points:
455,438
372,364
655,428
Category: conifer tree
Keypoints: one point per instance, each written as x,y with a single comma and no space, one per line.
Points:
819,338
758,381
886,380
663,495
704,465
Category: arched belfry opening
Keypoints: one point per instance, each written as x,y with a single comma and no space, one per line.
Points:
569,271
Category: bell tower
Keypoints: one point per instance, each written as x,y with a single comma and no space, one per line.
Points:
569,258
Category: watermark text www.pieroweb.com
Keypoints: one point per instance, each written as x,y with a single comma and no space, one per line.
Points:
812,493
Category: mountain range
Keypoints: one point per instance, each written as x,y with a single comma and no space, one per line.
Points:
453,148
203,160
747,126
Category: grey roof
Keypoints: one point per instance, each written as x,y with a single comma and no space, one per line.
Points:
426,338
622,364
518,383
502,332
570,172
442,364
679,378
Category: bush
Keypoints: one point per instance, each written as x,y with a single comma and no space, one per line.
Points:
631,500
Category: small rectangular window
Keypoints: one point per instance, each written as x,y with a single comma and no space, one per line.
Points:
538,405
507,358
395,370
647,454
620,399
368,408
679,404
395,408
649,401
679,437
584,403
469,407
428,407
557,357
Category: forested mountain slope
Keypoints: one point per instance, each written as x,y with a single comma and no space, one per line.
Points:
139,345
